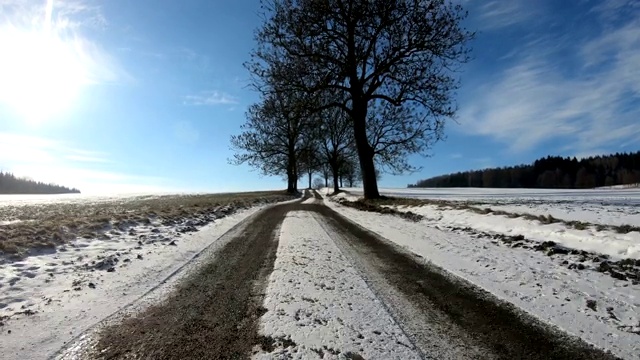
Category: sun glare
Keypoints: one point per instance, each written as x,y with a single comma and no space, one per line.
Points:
40,73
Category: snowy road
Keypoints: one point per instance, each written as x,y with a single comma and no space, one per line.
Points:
301,281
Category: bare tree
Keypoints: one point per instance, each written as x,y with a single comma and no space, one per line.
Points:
310,159
350,171
401,53
272,137
392,138
318,183
326,172
336,140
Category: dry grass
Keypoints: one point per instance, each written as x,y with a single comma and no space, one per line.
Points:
42,227
377,206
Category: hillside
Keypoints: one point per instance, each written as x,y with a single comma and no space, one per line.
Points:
550,172
11,184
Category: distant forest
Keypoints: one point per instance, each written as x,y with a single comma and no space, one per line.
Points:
550,172
10,184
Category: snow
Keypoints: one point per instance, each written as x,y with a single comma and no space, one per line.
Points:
594,213
531,280
608,242
310,200
604,207
21,200
628,196
318,300
69,293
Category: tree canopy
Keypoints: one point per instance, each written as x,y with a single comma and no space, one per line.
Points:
388,65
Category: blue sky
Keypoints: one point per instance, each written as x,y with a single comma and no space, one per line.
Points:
139,96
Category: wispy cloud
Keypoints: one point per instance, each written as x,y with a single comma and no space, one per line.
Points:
210,98
498,14
589,107
49,160
611,11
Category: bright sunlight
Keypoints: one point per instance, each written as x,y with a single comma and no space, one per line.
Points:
41,72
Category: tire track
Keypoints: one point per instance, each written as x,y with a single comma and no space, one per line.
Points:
213,312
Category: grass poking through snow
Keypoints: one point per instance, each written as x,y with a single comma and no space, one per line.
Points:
29,229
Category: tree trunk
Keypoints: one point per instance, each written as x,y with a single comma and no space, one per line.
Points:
292,174
310,175
291,186
295,173
365,152
341,183
334,170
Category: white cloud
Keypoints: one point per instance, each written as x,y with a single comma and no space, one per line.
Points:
498,14
57,162
213,97
590,107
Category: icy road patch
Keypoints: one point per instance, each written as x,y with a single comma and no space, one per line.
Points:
319,307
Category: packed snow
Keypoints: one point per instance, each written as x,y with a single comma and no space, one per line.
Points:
319,307
46,300
592,305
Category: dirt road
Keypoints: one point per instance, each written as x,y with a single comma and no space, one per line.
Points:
214,312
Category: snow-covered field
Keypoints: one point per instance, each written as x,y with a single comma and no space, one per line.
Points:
617,206
318,305
48,299
605,207
564,290
617,195
80,199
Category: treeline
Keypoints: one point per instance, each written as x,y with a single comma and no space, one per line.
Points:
349,89
551,172
10,184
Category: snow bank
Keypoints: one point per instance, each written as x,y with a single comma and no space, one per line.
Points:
318,306
612,207
598,206
606,242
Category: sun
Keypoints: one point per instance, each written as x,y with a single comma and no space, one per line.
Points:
41,74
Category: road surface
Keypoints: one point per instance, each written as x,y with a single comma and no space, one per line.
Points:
214,313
